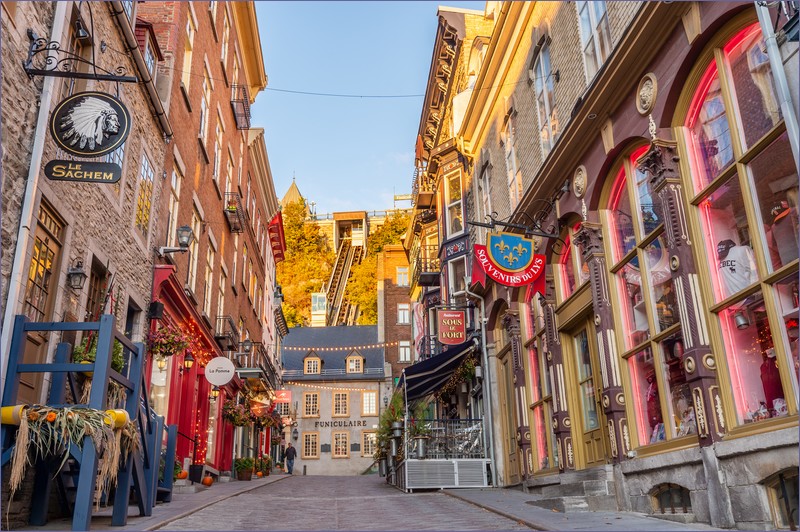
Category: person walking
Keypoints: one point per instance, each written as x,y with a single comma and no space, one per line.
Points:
290,455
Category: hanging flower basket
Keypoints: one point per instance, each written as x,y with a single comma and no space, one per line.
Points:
168,340
236,414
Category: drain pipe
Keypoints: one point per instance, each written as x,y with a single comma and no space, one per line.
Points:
26,217
782,85
487,389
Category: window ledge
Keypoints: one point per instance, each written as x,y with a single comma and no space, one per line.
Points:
203,149
185,93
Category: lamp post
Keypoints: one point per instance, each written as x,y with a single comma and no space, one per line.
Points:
76,277
185,236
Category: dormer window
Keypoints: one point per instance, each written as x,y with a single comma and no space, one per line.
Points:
150,58
355,363
312,364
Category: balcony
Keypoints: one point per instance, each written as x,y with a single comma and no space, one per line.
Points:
234,212
256,364
426,266
428,346
423,192
240,103
226,333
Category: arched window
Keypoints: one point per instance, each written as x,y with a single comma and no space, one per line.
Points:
648,325
744,185
573,271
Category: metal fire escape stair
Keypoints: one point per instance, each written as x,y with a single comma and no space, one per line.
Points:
348,312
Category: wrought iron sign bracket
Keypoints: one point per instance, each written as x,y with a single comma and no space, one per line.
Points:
58,62
533,229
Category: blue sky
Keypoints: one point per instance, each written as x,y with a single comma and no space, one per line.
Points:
347,153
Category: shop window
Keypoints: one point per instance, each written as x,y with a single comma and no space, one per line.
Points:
310,445
623,238
783,498
573,270
662,291
671,499
746,187
368,443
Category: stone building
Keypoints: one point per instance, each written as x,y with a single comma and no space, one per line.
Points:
657,371
64,225
334,375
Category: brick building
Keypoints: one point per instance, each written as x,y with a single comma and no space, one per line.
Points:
394,309
220,186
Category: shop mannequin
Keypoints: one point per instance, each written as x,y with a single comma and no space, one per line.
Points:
771,380
784,231
654,410
737,267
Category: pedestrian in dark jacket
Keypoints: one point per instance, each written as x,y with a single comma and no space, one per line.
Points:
290,455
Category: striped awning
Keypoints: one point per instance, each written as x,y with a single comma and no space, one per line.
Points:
424,378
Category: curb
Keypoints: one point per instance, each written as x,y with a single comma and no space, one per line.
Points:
220,498
534,526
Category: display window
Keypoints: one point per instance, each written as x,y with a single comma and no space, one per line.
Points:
623,238
573,271
662,290
746,186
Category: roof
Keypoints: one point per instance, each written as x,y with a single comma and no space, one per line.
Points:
361,338
292,195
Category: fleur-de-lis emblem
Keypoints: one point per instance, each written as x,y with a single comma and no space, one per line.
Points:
511,258
502,246
520,249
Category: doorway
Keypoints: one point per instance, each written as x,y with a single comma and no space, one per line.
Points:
508,413
588,420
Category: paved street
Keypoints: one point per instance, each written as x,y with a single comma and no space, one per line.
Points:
337,503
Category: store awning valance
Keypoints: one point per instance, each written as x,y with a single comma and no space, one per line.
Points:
424,378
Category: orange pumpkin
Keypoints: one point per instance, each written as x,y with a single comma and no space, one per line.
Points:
259,474
208,480
51,417
183,474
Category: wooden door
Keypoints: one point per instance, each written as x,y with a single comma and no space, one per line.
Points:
590,430
508,416
40,292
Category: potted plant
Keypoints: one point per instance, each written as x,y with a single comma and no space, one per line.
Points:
86,351
244,468
238,415
264,465
167,340
419,429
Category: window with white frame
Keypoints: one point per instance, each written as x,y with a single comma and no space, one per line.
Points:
282,409
456,284
355,364
312,366
117,157
341,445
194,248
235,259
310,445
455,214
545,100
205,106
369,403
186,69
403,313
226,33
150,58
229,173
513,174
368,443
484,191
311,404
244,265
208,279
401,276
145,197
174,200
341,406
404,351
595,35
223,280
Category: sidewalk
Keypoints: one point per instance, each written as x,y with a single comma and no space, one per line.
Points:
513,504
182,504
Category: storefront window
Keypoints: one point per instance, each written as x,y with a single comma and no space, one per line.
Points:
772,174
541,385
661,286
634,314
649,207
727,231
752,358
623,238
586,381
646,398
748,217
679,404
567,270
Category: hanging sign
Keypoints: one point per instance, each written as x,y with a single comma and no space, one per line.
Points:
452,327
508,259
83,171
90,124
282,396
219,371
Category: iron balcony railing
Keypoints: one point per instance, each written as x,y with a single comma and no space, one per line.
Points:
240,103
234,212
423,190
226,333
426,266
258,360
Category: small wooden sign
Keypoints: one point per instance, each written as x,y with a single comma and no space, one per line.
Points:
452,326
83,171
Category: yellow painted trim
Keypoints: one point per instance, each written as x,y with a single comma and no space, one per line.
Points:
333,445
247,34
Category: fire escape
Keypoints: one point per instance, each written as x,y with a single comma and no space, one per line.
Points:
240,103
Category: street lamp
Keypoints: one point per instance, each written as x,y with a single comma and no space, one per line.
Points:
295,434
188,361
185,236
385,401
161,362
214,392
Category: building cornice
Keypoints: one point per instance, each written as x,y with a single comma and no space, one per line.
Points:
244,15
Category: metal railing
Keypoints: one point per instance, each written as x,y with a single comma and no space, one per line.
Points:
451,439
226,333
426,266
288,373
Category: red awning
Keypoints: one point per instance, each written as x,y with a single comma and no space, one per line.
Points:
276,238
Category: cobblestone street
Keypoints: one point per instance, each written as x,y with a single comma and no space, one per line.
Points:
341,503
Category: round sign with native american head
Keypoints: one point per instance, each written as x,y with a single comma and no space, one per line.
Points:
90,124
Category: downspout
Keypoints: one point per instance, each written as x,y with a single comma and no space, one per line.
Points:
785,95
133,46
26,217
487,390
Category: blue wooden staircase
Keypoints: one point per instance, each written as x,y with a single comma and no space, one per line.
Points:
138,476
